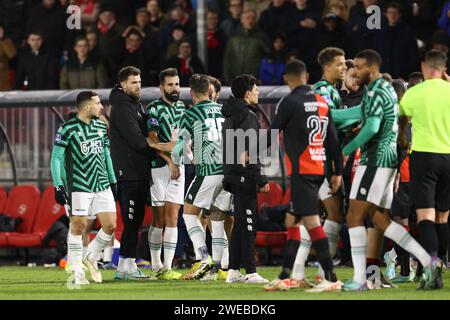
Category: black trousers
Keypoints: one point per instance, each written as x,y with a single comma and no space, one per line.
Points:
132,199
242,245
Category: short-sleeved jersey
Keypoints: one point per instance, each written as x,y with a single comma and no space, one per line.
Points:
329,93
380,100
304,118
428,105
164,119
203,124
85,161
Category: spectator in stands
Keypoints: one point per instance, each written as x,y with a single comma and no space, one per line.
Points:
149,44
7,52
273,19
177,36
231,24
216,42
124,11
37,67
186,63
48,18
81,71
134,55
357,25
12,17
90,9
339,8
259,6
425,13
272,66
397,45
177,17
444,19
156,15
109,40
304,22
245,50
143,22
92,40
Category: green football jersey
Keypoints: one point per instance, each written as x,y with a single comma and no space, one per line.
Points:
380,100
329,93
85,161
164,119
203,124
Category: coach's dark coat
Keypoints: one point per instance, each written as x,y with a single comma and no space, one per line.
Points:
130,152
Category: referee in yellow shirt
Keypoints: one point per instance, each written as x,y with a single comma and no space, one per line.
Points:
428,106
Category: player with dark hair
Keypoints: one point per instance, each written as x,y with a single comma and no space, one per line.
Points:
309,136
241,178
81,164
167,187
132,159
332,61
202,125
372,189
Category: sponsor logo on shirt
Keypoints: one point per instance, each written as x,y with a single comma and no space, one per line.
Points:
93,147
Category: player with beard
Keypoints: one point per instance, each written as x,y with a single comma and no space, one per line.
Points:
132,158
372,189
167,187
81,164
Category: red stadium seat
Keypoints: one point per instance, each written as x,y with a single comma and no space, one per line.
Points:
4,239
22,202
3,198
271,239
49,212
271,198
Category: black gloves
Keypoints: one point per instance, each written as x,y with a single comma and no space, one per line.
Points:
114,190
60,195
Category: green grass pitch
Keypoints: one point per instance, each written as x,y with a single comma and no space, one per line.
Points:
39,283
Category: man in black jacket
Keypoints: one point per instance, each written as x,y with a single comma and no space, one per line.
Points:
131,157
243,180
37,67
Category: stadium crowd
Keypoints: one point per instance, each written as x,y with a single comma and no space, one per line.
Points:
38,51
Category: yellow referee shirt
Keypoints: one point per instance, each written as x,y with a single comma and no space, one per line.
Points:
428,105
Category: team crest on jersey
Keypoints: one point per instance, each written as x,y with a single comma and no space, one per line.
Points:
327,99
370,93
153,122
57,138
100,133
